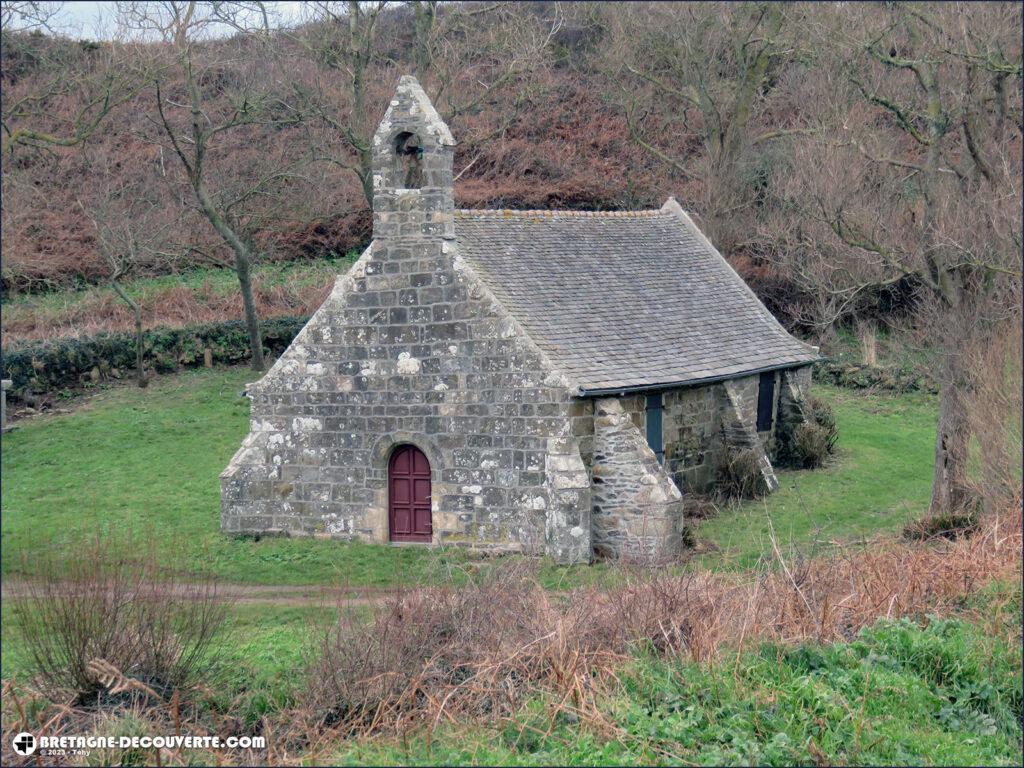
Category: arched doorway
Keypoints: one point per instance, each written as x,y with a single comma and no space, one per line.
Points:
409,495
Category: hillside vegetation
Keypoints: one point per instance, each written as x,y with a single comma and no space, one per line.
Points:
750,114
205,295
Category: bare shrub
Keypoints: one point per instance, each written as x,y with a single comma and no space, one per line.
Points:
740,477
419,644
655,610
814,440
812,444
699,507
105,607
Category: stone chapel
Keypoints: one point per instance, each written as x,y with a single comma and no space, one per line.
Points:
533,381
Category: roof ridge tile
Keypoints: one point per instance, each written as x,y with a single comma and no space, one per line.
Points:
552,213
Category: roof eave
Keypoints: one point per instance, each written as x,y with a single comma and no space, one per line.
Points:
605,391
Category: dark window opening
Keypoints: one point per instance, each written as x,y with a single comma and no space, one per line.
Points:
654,421
765,401
409,155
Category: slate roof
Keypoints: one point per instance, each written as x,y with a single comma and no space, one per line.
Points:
625,300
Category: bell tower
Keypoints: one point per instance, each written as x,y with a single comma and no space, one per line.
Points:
412,170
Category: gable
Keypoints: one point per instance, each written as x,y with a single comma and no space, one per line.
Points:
625,300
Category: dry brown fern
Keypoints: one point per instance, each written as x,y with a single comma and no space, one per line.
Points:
115,681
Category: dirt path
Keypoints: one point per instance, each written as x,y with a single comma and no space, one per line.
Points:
254,594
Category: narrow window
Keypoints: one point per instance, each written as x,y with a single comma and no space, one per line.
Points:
765,401
409,155
654,434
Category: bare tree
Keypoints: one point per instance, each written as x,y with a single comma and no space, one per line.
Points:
94,78
195,129
467,53
342,38
129,232
918,182
709,66
462,53
27,15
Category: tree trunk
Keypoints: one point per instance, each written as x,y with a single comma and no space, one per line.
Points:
868,342
243,258
424,15
360,39
949,485
243,262
140,371
251,321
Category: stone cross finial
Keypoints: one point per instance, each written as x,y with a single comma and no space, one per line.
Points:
412,168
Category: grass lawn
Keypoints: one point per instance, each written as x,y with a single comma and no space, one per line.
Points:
134,463
131,463
879,481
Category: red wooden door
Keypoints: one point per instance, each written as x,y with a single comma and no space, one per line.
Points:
409,495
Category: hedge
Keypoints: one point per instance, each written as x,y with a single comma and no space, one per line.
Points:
40,367
859,376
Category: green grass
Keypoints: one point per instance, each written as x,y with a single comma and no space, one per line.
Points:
219,281
132,463
14,657
138,463
941,692
263,655
879,481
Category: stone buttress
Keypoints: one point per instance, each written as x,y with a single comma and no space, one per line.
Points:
638,511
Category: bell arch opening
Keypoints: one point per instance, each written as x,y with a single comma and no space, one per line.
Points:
408,160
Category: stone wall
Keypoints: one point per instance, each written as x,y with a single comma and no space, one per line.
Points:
692,434
693,420
412,348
